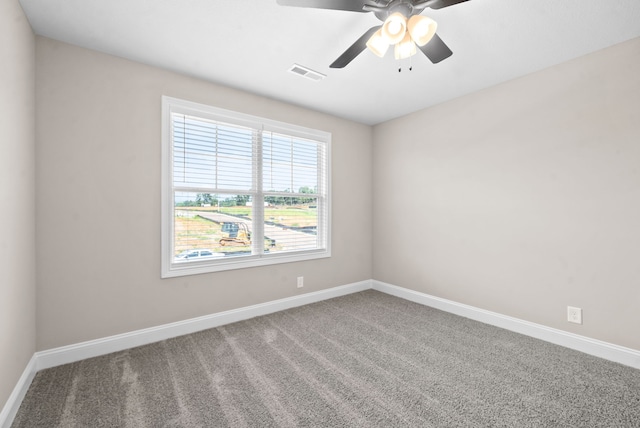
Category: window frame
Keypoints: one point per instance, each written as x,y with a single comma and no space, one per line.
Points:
168,267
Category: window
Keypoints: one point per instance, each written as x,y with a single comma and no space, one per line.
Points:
240,191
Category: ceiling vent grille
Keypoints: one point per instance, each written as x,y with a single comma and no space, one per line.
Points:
306,72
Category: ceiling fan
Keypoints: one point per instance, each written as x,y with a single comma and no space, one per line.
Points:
403,27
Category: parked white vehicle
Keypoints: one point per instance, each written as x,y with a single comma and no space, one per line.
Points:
201,254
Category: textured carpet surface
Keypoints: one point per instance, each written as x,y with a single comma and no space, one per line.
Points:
363,360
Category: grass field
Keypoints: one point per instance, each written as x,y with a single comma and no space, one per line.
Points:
292,217
287,216
195,232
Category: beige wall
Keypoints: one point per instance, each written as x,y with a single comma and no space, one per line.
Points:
17,187
523,198
98,192
526,195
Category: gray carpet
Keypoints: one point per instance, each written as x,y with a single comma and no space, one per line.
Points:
364,360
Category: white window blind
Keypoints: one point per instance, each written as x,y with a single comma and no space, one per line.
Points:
240,191
212,156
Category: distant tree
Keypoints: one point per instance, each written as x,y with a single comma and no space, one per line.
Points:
275,200
228,202
204,198
241,200
306,189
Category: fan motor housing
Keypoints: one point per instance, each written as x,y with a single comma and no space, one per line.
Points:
405,7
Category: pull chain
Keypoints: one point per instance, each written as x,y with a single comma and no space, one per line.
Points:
410,64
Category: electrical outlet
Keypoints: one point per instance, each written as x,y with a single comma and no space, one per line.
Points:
300,281
574,315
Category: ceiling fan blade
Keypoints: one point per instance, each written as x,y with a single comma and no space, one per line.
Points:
355,49
439,4
436,50
350,5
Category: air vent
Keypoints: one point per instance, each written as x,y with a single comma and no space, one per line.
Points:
306,72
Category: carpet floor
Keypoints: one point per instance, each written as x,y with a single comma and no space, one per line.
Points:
364,360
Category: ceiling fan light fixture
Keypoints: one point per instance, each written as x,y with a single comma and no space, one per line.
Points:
394,28
405,48
421,29
378,44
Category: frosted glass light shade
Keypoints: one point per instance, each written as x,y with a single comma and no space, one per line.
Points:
405,48
422,29
378,44
394,28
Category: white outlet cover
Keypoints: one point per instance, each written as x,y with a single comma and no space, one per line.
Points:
574,315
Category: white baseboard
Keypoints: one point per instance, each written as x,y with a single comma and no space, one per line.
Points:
608,351
94,348
19,391
68,354
80,351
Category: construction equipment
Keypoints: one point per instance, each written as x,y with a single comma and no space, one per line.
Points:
235,233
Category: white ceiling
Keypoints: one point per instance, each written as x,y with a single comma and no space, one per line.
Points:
250,45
